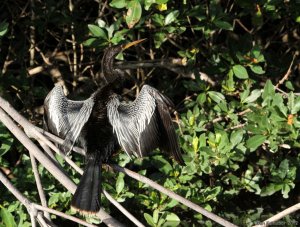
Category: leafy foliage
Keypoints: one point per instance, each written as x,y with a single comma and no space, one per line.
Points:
239,135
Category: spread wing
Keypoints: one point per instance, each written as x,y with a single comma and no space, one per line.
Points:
145,124
65,117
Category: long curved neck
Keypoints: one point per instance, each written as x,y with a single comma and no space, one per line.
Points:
110,74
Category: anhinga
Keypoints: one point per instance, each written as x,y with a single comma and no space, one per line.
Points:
102,124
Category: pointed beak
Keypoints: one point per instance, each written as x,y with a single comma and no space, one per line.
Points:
125,46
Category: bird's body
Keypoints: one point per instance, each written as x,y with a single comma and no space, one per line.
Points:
102,124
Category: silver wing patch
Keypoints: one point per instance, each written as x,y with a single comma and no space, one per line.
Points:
144,124
65,117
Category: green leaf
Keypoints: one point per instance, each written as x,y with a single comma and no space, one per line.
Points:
223,25
201,98
7,218
161,1
268,93
255,141
257,69
159,38
162,164
171,220
149,219
195,143
240,72
285,190
216,96
289,85
236,137
134,13
119,4
5,140
148,3
269,90
119,36
3,28
171,17
211,194
158,19
296,106
97,31
255,94
120,183
90,41
155,215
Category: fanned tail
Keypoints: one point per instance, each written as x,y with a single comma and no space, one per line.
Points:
86,199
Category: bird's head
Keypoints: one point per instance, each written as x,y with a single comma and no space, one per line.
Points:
110,73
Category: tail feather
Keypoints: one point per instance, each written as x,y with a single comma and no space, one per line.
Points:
86,199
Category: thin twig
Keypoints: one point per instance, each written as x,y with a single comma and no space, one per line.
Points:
26,202
288,72
42,221
176,65
63,215
32,33
279,216
14,191
32,207
242,25
122,209
74,67
39,184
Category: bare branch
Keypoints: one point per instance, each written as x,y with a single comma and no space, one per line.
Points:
173,195
14,191
176,65
155,185
288,73
280,215
63,215
26,202
122,209
39,184
31,130
43,159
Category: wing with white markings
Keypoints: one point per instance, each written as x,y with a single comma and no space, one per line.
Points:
145,124
65,117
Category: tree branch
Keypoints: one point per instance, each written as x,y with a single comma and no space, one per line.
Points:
39,184
173,195
279,216
288,73
44,160
31,130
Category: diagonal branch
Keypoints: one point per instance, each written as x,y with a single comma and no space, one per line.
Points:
158,187
32,207
173,195
31,130
45,161
273,219
39,184
287,74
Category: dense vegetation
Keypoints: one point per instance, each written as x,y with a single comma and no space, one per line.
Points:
235,90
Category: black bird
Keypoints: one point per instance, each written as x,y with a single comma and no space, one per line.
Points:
102,124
